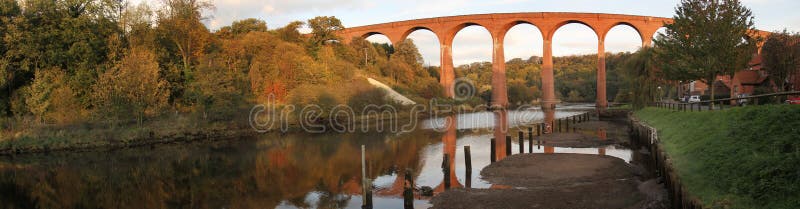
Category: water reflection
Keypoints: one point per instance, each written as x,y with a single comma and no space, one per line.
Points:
270,171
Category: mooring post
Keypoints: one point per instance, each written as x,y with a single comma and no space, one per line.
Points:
539,129
493,151
521,142
446,171
530,141
366,191
508,145
408,191
468,159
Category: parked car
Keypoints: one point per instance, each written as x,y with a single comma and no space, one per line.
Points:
793,100
742,102
694,98
685,99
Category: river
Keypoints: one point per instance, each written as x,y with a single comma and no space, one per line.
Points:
276,170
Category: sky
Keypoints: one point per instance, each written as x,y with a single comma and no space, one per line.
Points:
473,44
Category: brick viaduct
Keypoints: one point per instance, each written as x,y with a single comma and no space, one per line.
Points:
498,25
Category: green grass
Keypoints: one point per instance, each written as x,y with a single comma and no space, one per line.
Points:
736,158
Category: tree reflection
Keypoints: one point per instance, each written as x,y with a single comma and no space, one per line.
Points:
248,173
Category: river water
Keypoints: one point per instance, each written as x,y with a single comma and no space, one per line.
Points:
297,170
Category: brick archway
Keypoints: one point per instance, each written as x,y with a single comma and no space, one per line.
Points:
445,29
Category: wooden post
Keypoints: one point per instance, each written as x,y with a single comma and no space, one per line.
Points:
530,131
446,171
560,124
368,204
566,123
539,129
366,191
408,191
530,140
508,145
468,159
493,152
521,142
468,162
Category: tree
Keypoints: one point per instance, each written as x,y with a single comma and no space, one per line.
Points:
179,23
324,28
781,55
407,51
291,32
241,27
642,77
134,85
707,38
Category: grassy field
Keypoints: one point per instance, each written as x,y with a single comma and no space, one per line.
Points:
736,158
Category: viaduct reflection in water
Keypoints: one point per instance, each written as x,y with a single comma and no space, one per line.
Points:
283,171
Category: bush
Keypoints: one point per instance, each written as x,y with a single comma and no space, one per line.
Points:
361,100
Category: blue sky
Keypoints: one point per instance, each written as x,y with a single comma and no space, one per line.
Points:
474,43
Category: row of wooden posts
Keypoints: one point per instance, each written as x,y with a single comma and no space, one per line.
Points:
408,184
559,125
647,136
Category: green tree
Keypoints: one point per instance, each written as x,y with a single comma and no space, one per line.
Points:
642,77
324,28
707,38
241,27
291,32
781,54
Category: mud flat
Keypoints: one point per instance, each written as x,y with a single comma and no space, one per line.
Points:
558,181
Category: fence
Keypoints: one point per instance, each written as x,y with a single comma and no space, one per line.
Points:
698,106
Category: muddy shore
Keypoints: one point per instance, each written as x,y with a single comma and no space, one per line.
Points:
558,180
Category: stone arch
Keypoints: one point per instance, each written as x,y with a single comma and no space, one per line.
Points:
510,26
623,23
477,37
411,30
503,30
582,36
624,37
425,47
372,33
450,33
562,23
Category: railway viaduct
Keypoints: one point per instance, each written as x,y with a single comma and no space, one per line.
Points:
498,25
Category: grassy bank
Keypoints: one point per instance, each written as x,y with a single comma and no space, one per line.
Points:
736,158
27,138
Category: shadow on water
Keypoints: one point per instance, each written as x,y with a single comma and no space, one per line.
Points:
271,171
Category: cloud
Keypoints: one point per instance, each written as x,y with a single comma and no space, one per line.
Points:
278,12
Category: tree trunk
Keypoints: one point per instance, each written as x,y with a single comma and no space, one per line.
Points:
711,104
733,93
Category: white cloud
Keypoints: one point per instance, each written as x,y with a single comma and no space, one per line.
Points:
278,12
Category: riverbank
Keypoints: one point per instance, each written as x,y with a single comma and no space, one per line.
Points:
103,136
98,136
558,180
736,158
